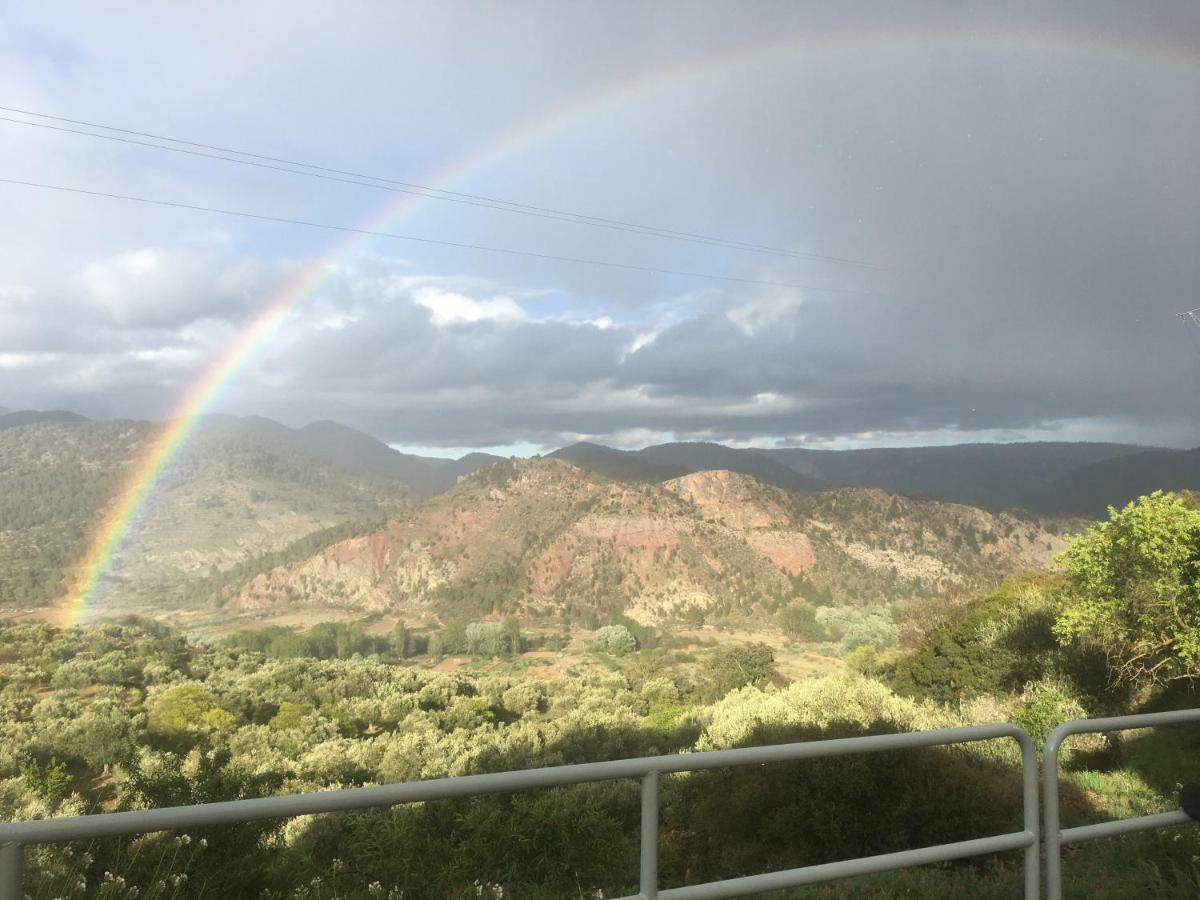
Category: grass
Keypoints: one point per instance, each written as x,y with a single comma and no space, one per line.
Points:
1138,779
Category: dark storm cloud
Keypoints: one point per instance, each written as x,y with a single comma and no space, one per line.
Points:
1033,205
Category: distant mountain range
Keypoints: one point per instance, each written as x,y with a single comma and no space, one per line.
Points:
247,489
16,418
1064,479
547,539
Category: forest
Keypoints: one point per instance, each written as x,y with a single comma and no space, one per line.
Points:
130,714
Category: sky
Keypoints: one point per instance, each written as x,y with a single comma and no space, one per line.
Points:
991,214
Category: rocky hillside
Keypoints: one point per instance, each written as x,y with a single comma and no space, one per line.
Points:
546,538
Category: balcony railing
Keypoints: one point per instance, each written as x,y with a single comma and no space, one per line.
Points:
15,836
1056,836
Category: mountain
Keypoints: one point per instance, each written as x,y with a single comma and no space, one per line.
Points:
665,461
240,488
547,538
1090,490
355,451
1021,475
992,475
15,419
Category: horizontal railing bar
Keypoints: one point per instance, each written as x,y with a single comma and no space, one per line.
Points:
230,811
867,865
1120,723
1084,833
1055,835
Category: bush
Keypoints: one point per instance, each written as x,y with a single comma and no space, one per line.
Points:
186,709
734,667
614,639
1133,588
1045,705
799,621
999,645
855,627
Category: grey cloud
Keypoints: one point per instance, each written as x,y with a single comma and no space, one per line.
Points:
1034,205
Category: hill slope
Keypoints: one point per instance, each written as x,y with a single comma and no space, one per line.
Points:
666,461
992,475
1090,490
240,488
549,539
16,418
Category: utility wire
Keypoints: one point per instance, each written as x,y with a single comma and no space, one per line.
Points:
311,170
511,251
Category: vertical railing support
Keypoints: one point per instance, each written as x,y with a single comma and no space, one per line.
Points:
1032,815
1051,832
12,871
649,867
1054,835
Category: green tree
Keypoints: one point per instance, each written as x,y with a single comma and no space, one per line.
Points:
401,640
290,715
615,639
800,621
1134,589
512,642
735,667
188,708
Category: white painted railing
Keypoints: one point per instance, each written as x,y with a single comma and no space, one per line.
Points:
1056,836
15,836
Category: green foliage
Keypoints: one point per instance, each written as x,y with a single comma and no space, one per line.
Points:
290,715
614,639
187,709
799,621
50,781
854,627
298,723
1133,588
733,667
999,645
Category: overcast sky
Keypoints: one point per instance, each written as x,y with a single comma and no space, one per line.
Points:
1023,179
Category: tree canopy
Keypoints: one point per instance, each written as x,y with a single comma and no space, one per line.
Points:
1133,588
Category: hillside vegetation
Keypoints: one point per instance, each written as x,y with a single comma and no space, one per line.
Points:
131,714
236,491
544,538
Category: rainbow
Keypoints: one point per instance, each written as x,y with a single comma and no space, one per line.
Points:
109,534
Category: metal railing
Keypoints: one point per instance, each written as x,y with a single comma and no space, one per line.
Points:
16,835
1056,836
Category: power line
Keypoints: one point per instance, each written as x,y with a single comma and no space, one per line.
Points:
311,170
511,251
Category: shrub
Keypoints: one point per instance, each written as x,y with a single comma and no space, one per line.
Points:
1133,588
614,639
185,709
734,667
800,621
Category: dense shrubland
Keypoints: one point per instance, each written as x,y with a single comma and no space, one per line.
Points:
129,715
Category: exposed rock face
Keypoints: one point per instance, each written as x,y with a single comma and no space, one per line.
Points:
545,538
738,501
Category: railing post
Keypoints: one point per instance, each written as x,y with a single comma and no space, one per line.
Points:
649,865
1031,815
12,871
1052,831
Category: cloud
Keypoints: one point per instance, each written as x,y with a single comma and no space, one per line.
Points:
448,307
1033,208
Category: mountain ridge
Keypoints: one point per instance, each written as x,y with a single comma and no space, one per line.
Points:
545,538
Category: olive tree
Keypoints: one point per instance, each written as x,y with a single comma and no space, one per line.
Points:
1133,589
